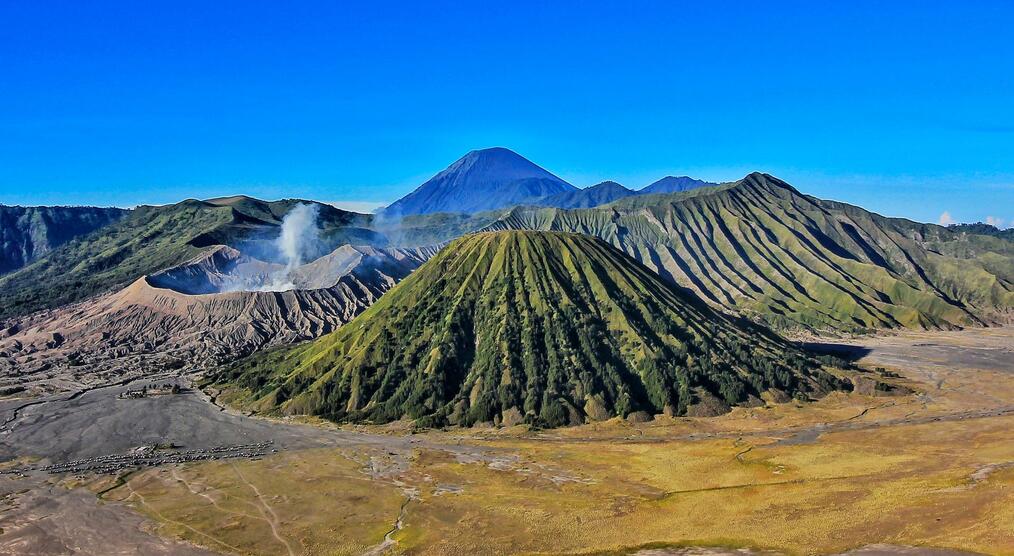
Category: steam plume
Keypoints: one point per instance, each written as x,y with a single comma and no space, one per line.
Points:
296,242
299,235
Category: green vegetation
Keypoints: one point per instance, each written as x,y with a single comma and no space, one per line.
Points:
28,233
759,248
545,328
909,470
149,239
983,229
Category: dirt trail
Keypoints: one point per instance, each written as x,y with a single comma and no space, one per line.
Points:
140,497
40,516
195,488
273,521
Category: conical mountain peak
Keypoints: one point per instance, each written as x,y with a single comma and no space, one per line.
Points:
547,328
481,180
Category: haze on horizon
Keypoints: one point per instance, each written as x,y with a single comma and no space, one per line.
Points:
902,109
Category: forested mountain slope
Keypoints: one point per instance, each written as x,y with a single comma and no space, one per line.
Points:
600,194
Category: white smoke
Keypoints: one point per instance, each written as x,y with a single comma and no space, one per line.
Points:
300,234
297,243
997,222
388,222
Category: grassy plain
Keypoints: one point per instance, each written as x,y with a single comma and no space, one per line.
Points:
930,469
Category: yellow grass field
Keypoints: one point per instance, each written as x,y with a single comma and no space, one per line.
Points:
930,469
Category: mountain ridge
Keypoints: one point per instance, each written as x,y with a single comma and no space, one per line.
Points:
152,238
760,248
673,184
755,247
596,195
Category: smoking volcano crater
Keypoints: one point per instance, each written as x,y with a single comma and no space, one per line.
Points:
283,287
228,270
297,259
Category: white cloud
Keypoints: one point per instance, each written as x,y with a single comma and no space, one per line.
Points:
364,207
994,221
946,220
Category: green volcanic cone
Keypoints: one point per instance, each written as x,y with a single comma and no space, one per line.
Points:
541,327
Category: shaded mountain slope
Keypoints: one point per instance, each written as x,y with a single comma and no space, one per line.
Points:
605,192
546,328
673,184
481,180
28,233
152,238
761,248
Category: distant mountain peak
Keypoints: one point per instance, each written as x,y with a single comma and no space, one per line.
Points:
674,184
598,194
499,164
481,180
494,152
608,184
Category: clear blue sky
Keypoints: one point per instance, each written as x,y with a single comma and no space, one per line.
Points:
903,108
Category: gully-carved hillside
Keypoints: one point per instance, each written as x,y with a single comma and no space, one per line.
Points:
545,328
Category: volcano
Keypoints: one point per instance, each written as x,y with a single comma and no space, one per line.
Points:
481,180
208,311
540,327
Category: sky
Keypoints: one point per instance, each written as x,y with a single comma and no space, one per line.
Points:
904,108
